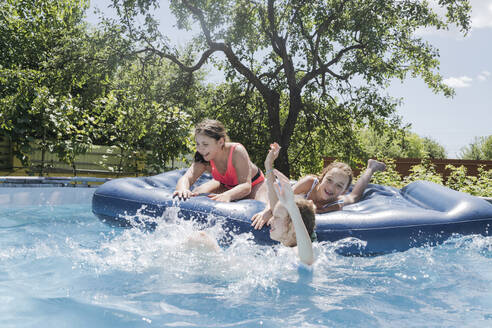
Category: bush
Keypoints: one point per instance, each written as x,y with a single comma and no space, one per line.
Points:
478,186
423,171
457,180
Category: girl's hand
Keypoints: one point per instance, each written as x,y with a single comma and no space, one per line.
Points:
184,194
283,189
272,155
261,218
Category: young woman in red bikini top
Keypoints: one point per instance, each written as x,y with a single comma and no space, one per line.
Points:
234,175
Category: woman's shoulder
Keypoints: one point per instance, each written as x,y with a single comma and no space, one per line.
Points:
308,179
235,145
240,152
303,185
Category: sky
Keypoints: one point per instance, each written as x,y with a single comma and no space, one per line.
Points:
465,64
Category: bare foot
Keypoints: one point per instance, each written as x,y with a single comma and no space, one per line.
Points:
376,165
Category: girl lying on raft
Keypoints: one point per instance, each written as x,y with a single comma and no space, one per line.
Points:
292,222
328,191
234,175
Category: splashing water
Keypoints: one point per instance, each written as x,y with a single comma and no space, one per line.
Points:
60,266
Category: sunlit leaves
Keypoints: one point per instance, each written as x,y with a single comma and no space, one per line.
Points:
338,53
53,70
479,149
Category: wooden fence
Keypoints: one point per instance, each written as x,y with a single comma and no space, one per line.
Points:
100,161
403,165
104,161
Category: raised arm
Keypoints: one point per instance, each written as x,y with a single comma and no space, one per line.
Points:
362,183
261,218
270,176
286,197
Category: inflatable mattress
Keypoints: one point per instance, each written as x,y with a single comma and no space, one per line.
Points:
386,219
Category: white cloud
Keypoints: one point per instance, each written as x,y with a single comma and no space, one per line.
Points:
481,13
458,82
483,76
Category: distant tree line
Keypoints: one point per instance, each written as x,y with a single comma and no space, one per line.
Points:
479,149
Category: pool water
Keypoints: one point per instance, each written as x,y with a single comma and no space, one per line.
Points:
62,267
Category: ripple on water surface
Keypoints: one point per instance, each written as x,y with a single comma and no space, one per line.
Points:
61,266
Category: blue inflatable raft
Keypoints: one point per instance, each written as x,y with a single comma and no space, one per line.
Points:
385,220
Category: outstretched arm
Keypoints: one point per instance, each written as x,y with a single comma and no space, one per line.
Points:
270,176
259,219
286,197
188,179
362,183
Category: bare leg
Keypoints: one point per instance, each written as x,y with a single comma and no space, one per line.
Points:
376,165
363,181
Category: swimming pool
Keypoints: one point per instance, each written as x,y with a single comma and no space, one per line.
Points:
62,267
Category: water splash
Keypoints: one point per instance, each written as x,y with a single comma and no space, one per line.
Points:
71,260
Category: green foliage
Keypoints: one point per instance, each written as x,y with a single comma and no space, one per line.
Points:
146,114
330,60
423,171
478,186
51,71
69,87
394,143
479,149
433,149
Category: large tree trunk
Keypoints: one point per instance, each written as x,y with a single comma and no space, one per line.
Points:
272,100
282,162
295,106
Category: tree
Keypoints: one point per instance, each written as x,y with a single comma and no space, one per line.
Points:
51,70
487,148
433,149
146,113
479,149
341,53
391,144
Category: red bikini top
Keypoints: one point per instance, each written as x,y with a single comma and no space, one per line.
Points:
229,179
